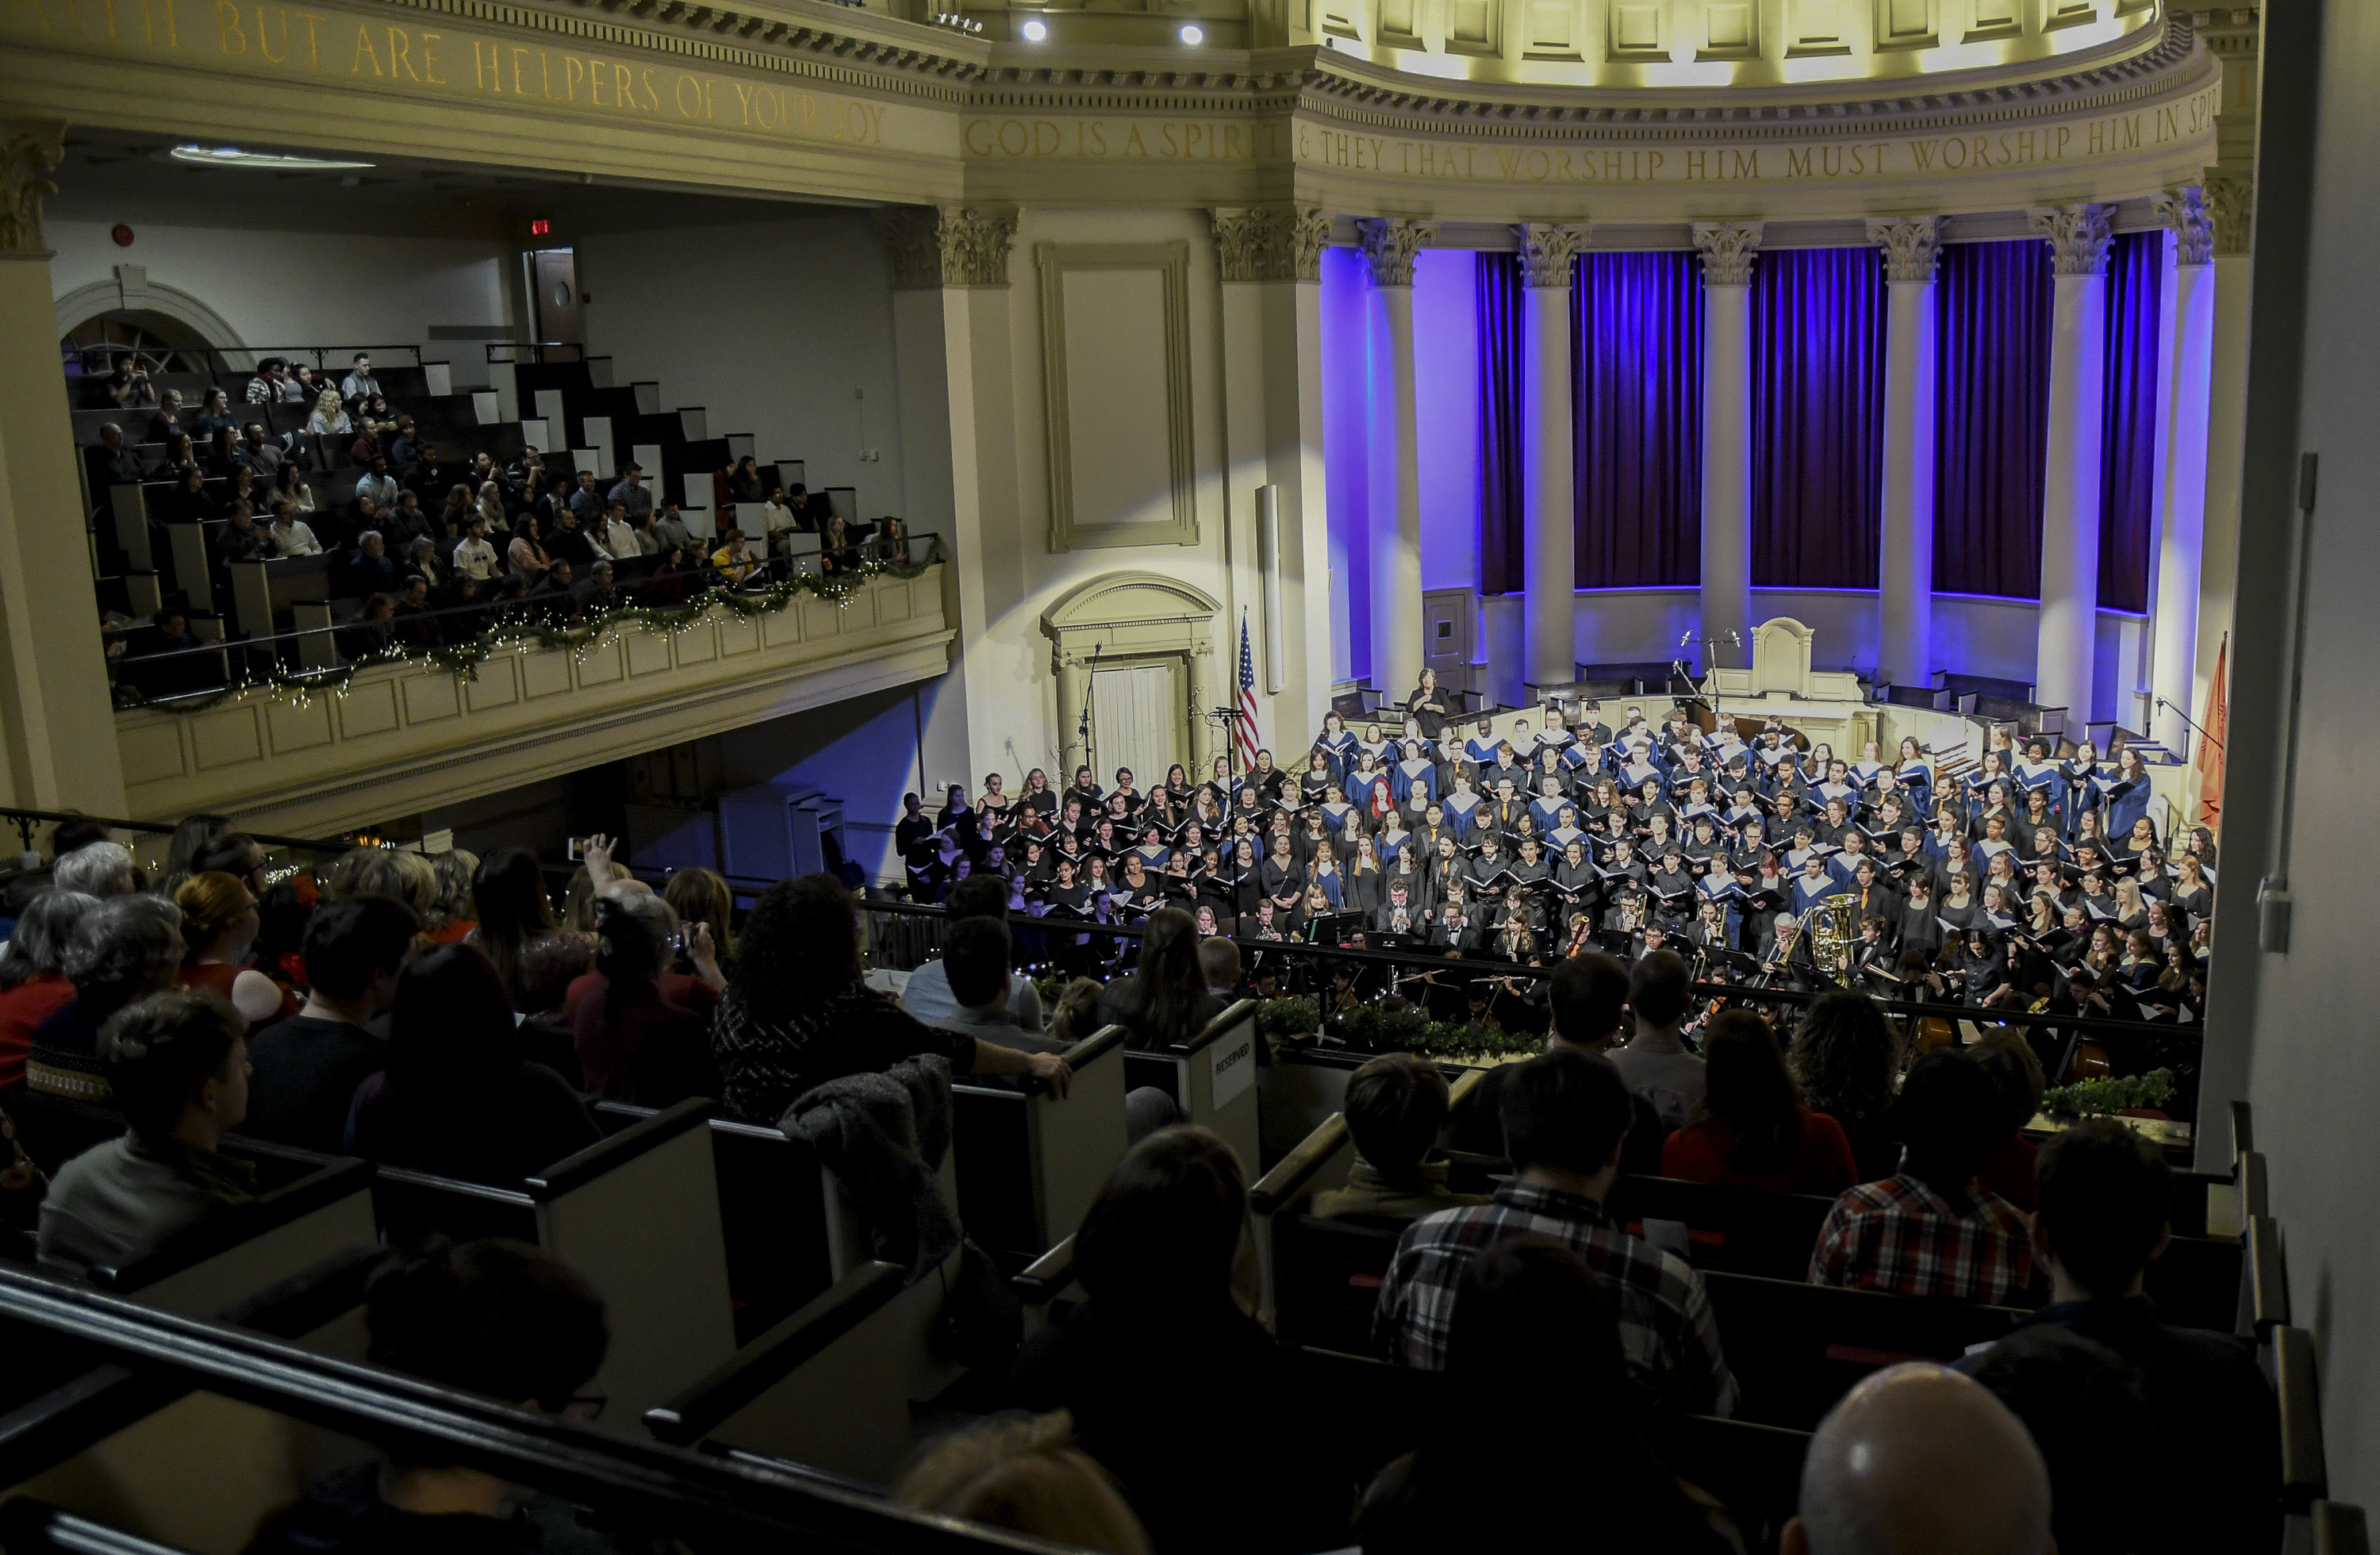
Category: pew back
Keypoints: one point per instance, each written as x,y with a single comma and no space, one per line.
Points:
1028,1164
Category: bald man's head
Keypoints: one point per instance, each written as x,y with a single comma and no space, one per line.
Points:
1919,1459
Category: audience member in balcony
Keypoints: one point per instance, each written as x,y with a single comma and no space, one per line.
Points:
631,493
371,570
378,484
330,429
308,1065
1396,1105
525,556
585,500
126,948
264,453
1918,1457
421,561
359,383
618,538
497,1318
219,925
457,1098
239,485
474,557
239,540
417,624
571,542
1753,1131
516,931
127,387
798,1013
310,385
216,414
289,485
557,598
1929,1230
407,522
734,563
404,446
668,529
371,634
635,1043
188,502
837,551
891,545
431,477
166,666
1532,1321
366,445
1847,1062
265,387
33,973
777,523
98,866
1164,1261
490,509
178,456
601,592
177,1064
167,423
549,504
525,476
744,484
113,463
461,507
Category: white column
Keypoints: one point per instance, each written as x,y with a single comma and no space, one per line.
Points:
1550,549
1727,249
2069,516
1904,654
2182,527
1389,249
58,725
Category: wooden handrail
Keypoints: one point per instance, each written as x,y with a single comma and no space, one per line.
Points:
2267,1293
1289,1176
2304,1477
219,1234
1244,1010
1047,1275
776,1355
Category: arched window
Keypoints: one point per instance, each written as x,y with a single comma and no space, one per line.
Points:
161,343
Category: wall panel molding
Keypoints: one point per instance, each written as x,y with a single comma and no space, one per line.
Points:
1098,427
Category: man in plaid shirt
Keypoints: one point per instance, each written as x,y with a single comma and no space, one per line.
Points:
1565,1115
1931,1231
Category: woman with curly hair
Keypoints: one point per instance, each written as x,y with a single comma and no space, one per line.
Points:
798,1012
1845,1059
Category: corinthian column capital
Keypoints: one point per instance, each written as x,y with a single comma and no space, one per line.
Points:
1271,242
2184,210
27,151
1547,253
1727,249
1912,245
949,245
2078,236
1389,246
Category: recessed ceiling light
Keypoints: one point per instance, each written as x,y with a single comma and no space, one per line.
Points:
1193,34
1035,31
232,156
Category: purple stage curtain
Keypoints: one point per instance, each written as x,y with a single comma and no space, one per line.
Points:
1636,377
1501,311
1817,418
2128,425
1992,311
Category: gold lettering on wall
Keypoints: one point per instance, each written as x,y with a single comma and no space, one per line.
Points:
283,39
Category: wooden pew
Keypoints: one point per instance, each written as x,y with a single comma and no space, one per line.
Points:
2305,1477
1738,1230
815,1390
1796,1348
213,1267
1213,1078
1028,1164
2196,1282
2264,1280
1045,1285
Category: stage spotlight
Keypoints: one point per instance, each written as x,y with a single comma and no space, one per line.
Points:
1193,34
1035,31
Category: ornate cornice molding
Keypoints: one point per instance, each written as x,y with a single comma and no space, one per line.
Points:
2231,205
1728,249
1271,242
2184,210
949,245
1549,254
26,152
1354,90
1389,246
2079,235
1912,245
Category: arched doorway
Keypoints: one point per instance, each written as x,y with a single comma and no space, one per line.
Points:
160,344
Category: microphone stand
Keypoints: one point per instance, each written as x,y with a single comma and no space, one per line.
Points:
1083,729
2192,721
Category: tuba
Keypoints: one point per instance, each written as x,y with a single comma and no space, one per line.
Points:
1834,934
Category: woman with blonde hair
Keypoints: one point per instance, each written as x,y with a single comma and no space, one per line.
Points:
327,427
1027,1476
451,918
491,505
699,896
219,924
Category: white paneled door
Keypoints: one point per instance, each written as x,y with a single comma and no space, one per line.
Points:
1135,722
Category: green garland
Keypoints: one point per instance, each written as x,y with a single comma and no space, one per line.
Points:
2099,1099
1370,1028
463,659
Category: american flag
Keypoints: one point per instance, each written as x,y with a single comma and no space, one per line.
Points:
1243,725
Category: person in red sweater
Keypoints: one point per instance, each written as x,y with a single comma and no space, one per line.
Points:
1753,1131
33,973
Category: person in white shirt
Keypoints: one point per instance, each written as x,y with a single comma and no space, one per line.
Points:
619,537
379,487
292,536
359,383
474,557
